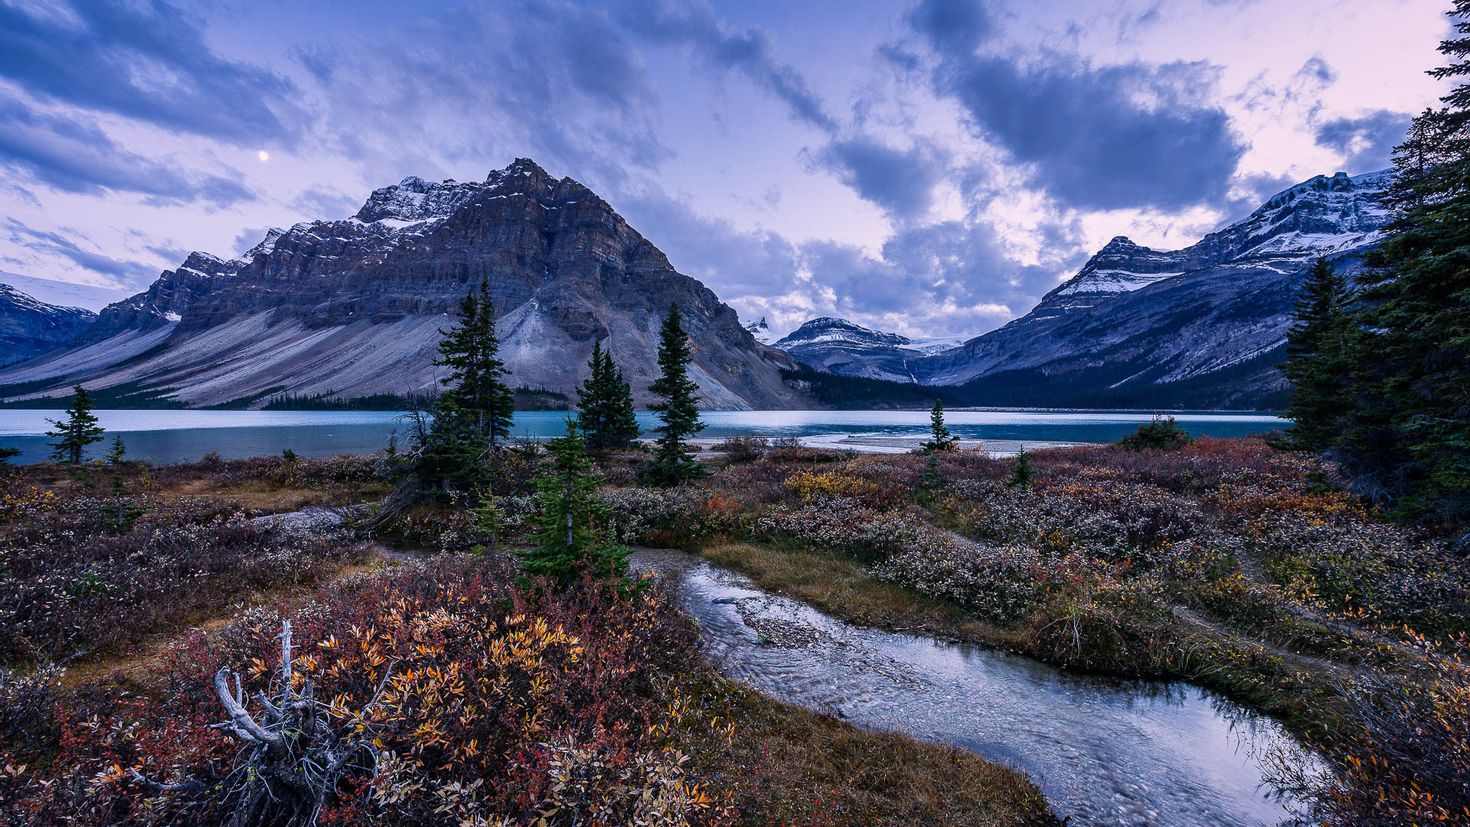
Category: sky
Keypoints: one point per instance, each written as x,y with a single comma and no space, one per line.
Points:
931,167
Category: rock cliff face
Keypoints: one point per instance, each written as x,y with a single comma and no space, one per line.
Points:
353,307
29,327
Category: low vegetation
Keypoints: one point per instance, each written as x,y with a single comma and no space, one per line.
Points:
1226,562
366,686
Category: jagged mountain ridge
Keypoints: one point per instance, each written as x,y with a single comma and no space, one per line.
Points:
1201,326
841,347
353,307
29,326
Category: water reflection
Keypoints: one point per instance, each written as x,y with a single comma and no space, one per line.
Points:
1103,751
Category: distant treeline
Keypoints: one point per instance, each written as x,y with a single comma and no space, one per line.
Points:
526,399
851,392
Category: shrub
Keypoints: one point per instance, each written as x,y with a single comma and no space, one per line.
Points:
1163,434
743,448
435,692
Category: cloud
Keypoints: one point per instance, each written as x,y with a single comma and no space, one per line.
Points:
75,155
954,28
321,202
45,241
902,182
944,278
1096,137
693,25
1130,135
1366,142
551,80
144,60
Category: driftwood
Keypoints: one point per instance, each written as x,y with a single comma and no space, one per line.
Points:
292,758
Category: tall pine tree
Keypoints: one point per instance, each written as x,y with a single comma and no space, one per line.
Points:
77,431
620,428
592,399
475,384
472,416
605,404
678,413
1317,359
1410,428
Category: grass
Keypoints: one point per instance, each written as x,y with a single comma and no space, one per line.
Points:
790,766
844,588
1299,690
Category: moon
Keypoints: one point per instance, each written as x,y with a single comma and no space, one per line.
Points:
263,156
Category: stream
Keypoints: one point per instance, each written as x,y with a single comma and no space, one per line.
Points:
1104,751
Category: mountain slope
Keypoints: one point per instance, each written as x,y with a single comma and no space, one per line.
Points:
29,326
1199,327
353,307
846,349
64,293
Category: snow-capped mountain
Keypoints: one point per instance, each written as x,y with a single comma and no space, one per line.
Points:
354,306
29,326
1136,327
841,347
761,331
64,293
1200,327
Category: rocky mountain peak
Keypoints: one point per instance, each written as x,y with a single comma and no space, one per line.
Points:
413,200
355,306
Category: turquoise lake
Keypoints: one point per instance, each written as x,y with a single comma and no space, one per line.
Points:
178,436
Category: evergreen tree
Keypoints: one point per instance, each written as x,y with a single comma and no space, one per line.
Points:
77,431
620,430
940,439
678,413
605,404
1317,359
1021,475
472,416
475,387
570,542
1409,432
592,400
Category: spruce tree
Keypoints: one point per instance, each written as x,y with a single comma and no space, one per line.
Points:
570,542
620,429
1317,359
1021,475
678,413
472,416
1409,433
592,400
940,439
605,404
474,386
77,431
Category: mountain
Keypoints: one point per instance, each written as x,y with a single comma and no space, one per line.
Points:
1135,327
846,349
29,326
64,293
353,307
1199,327
761,331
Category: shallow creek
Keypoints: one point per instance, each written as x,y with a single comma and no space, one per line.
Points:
1103,751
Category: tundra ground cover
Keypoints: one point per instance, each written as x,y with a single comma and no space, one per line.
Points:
1225,562
445,686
